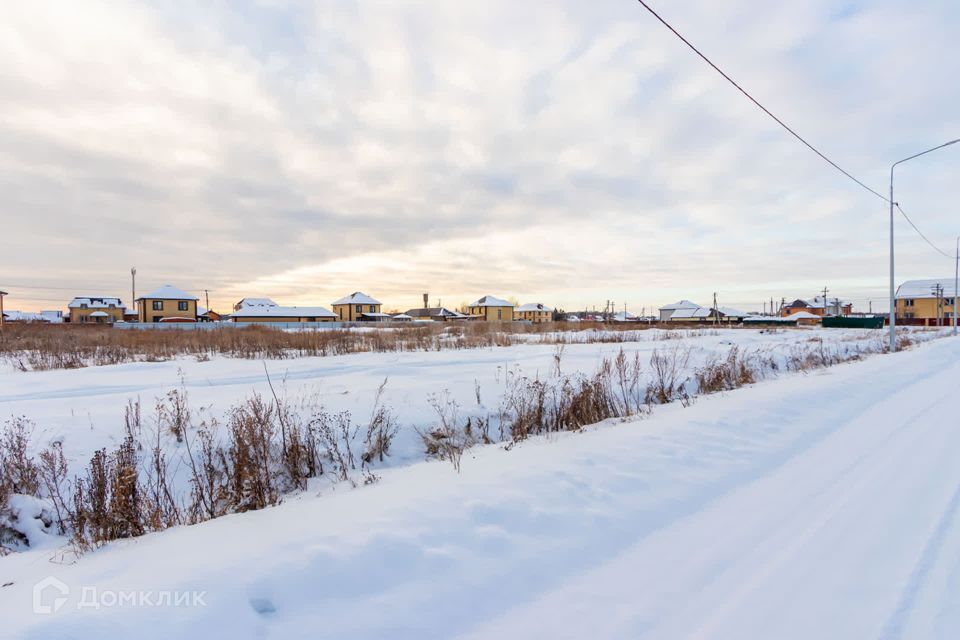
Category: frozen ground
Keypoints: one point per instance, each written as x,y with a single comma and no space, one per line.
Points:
811,506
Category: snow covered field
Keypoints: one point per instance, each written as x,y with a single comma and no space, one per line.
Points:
84,408
811,506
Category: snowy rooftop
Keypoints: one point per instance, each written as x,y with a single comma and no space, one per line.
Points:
698,312
802,315
491,301
283,312
24,316
357,297
255,302
434,312
534,306
924,288
682,304
730,311
95,302
168,292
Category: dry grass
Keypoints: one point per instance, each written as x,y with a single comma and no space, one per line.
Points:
265,449
43,347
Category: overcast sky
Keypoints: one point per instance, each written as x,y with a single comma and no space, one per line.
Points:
564,152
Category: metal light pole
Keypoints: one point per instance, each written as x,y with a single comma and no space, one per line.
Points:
893,306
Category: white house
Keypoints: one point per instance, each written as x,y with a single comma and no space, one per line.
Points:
683,305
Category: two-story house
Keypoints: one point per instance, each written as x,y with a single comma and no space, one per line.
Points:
96,310
167,304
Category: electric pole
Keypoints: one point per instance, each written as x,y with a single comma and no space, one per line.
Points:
2,293
825,300
133,289
956,289
206,294
716,312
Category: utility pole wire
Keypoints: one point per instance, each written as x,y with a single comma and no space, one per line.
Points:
756,102
926,239
784,125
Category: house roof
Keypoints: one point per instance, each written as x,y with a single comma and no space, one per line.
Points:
283,312
256,302
698,312
357,297
168,292
99,314
95,302
377,314
802,315
924,288
433,312
24,316
534,306
402,316
816,302
681,304
624,316
730,311
491,301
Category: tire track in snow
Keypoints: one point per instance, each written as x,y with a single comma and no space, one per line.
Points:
893,629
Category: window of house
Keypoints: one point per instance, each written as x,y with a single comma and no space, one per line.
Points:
359,308
373,309
158,305
908,303
948,302
83,305
183,305
499,314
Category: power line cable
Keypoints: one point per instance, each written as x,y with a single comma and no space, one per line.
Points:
785,126
915,228
756,102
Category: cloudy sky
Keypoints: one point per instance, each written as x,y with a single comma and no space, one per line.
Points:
567,152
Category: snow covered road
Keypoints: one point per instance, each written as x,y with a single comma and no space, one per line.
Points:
812,506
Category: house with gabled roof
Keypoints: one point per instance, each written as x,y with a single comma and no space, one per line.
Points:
358,307
816,306
666,312
254,302
437,314
96,310
491,309
927,299
534,312
167,304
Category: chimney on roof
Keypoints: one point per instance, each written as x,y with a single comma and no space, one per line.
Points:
426,297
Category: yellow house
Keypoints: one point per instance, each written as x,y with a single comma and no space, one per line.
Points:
534,312
167,304
918,300
96,310
358,307
491,309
